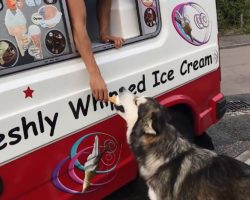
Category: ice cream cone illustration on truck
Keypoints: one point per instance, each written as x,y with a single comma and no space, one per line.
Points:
185,23
91,165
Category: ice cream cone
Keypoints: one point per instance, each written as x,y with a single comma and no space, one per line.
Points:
113,99
20,45
16,26
86,182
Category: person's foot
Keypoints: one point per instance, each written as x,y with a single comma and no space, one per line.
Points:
204,141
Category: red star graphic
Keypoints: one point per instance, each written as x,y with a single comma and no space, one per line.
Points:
28,93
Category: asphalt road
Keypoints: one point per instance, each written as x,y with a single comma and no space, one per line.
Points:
231,135
235,70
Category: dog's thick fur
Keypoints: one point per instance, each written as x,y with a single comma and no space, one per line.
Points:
173,168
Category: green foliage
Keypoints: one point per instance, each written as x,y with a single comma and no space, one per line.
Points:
230,13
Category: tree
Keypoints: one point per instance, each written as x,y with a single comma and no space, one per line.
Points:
230,14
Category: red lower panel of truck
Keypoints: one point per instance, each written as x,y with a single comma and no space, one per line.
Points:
59,170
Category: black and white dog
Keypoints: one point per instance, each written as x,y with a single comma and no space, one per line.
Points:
173,168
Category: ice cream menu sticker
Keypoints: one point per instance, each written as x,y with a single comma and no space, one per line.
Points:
148,11
16,25
8,54
33,30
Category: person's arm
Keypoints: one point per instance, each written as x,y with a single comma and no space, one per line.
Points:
77,11
103,16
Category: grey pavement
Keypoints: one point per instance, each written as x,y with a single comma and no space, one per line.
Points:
231,135
234,41
235,70
245,157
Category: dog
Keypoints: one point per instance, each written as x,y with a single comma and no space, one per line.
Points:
173,168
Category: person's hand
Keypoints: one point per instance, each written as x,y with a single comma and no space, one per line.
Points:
118,41
98,87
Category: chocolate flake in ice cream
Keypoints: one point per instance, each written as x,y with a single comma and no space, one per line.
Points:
55,42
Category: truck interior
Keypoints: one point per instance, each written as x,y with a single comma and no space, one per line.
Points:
129,19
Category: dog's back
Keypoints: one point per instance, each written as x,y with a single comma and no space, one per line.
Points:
190,177
223,178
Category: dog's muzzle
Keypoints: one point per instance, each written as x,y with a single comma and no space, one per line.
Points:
117,106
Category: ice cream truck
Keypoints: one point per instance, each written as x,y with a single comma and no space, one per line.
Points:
56,140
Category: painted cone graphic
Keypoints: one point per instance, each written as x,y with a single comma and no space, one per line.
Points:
113,99
91,165
86,183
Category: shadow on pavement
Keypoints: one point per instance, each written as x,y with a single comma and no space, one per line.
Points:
135,190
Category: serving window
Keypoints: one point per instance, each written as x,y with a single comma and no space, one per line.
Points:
36,33
133,20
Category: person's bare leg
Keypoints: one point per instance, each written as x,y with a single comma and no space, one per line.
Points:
103,16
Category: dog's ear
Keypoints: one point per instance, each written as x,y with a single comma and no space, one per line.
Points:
148,129
159,119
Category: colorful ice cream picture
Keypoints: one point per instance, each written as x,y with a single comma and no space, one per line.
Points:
48,16
8,54
185,24
192,23
55,42
150,17
35,35
16,25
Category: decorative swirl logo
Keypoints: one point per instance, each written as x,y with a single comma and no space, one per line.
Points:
192,23
84,165
201,21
